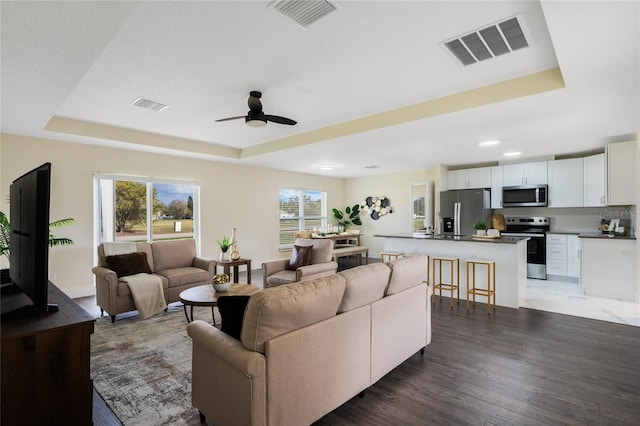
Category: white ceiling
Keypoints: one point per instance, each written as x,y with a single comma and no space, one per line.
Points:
70,71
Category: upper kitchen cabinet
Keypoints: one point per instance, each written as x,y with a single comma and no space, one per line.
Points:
479,177
566,181
496,187
595,181
621,167
525,174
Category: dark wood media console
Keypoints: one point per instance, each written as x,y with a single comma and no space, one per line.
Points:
45,365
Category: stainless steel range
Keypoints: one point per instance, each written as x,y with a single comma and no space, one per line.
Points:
534,227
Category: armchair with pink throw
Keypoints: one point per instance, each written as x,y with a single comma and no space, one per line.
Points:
278,272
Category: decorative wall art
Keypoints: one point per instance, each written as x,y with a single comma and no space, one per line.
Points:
376,207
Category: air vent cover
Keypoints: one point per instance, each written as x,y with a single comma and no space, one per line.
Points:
488,42
305,12
147,104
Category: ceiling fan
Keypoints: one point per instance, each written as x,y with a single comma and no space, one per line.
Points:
255,117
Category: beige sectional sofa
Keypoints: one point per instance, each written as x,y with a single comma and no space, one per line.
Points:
306,348
174,261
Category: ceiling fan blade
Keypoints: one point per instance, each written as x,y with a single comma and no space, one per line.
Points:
231,118
280,120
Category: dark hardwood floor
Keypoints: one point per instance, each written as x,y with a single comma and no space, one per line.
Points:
516,367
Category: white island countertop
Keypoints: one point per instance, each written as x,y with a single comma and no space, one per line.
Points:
509,253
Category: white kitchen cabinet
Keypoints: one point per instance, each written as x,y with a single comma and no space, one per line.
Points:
557,254
595,181
479,177
496,187
573,256
621,169
525,174
566,182
608,268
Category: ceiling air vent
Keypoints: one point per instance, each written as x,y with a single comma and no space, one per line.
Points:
488,42
147,104
305,12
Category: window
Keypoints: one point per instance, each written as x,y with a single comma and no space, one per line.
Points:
300,209
145,209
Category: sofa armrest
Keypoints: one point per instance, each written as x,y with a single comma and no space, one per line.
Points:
205,263
106,288
270,267
228,380
317,270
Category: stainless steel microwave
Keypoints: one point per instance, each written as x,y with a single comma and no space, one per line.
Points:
525,196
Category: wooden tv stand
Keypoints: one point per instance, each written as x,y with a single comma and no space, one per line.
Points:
45,365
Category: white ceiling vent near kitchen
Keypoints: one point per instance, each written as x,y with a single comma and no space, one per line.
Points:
488,42
305,12
147,104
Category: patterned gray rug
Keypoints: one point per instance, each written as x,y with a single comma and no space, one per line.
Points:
142,368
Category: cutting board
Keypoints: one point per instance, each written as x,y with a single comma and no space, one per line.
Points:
487,237
497,222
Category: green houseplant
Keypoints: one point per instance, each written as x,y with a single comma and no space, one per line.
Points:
481,227
350,216
5,236
225,244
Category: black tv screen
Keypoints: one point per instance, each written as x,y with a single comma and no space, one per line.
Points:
29,242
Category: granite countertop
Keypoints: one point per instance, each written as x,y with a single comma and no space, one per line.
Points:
466,238
605,236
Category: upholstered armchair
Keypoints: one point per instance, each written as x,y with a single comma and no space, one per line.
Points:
276,272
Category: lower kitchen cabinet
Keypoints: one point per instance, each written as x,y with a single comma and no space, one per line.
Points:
563,255
608,268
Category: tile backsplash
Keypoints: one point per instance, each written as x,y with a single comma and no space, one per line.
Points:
577,219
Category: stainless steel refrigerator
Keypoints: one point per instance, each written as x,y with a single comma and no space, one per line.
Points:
460,209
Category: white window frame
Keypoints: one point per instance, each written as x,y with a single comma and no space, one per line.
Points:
301,218
103,198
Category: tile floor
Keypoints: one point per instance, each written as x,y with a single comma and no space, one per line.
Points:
569,299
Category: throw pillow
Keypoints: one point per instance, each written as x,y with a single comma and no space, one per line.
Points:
128,264
300,256
232,312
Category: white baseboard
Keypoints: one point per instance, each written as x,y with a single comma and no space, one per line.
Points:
77,292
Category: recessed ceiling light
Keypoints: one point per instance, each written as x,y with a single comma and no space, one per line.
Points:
326,167
489,143
512,154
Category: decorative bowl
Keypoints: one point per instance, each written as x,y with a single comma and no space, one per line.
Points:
221,287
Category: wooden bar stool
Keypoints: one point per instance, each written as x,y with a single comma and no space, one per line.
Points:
388,256
451,285
488,292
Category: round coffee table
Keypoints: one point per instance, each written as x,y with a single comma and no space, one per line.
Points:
205,295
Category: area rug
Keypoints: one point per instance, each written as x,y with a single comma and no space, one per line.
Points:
142,368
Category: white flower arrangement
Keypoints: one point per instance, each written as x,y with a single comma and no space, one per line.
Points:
376,207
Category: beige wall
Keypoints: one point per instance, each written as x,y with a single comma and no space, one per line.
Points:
396,187
248,202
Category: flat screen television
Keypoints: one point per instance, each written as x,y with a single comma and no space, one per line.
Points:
29,199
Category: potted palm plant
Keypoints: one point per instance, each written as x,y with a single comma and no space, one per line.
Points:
5,240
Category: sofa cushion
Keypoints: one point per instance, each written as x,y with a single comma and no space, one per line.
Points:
279,310
300,256
232,313
364,284
186,275
128,264
281,277
407,272
173,254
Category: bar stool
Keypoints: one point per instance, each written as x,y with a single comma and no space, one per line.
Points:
491,283
451,285
388,256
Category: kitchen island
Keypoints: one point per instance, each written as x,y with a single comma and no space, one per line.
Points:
510,254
